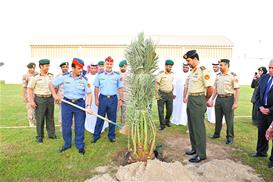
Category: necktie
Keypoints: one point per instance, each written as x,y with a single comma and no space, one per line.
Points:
268,86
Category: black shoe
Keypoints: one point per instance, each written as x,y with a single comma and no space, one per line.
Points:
214,136
196,159
258,155
191,152
112,140
82,151
161,128
229,141
168,124
62,149
95,140
39,140
53,137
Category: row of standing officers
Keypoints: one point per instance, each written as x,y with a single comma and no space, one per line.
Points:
199,93
42,91
198,89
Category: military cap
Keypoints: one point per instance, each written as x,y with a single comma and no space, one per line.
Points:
224,61
185,64
122,63
31,65
109,59
78,62
169,62
263,69
101,63
190,54
64,63
44,61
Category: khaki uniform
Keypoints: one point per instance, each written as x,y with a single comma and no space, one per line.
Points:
30,110
198,82
45,104
225,85
165,93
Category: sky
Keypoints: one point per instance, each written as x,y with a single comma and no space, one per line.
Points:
247,23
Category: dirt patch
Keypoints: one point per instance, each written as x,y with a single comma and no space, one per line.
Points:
176,167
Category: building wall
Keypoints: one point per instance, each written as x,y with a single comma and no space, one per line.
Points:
100,52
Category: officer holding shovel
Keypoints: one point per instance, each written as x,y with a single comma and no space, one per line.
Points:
75,87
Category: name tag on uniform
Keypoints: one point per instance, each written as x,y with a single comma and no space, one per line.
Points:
66,82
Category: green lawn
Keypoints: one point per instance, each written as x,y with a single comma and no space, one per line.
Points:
21,159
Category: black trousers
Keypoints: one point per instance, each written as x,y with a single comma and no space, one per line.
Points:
262,143
165,99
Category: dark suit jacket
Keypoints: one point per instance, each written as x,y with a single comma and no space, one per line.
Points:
260,93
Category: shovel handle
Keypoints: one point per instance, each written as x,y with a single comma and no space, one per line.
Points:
92,113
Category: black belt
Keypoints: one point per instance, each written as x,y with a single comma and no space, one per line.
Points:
43,96
225,95
73,100
108,96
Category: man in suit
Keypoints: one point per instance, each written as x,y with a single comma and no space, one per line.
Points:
264,103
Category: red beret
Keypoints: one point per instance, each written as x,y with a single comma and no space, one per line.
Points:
78,62
109,59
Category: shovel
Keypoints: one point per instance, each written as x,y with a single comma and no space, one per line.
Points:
99,116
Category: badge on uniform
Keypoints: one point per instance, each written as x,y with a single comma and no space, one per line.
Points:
206,77
89,85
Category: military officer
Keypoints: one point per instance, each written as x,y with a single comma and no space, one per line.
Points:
75,87
199,83
26,79
123,73
227,90
100,66
108,84
42,102
164,94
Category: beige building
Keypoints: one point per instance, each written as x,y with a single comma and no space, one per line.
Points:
95,48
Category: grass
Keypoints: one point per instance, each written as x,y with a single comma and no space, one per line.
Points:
21,159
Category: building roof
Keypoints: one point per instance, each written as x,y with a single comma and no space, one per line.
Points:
162,40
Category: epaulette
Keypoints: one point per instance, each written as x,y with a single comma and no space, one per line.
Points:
218,74
101,72
202,68
50,74
117,72
161,72
233,74
35,74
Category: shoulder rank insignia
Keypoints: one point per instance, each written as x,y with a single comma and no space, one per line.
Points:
202,68
233,74
35,74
